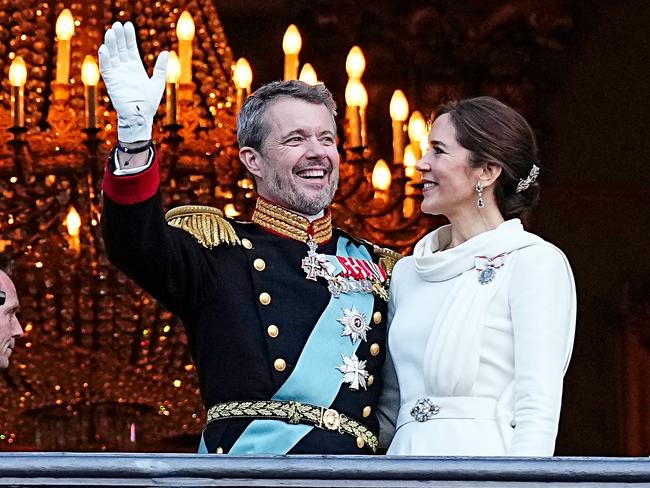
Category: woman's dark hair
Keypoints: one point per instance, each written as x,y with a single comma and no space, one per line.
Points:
494,133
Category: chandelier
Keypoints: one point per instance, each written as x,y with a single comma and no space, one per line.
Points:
102,365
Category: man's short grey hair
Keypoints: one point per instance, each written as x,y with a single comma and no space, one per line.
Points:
252,128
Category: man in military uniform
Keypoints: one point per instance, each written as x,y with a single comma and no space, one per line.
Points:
286,315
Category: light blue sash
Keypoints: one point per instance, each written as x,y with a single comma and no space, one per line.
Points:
315,379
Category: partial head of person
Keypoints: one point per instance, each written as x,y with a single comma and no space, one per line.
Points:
10,328
286,132
482,157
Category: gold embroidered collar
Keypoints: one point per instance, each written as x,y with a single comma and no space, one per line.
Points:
288,224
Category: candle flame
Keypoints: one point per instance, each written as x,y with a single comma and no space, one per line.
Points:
65,25
356,94
409,157
399,106
291,42
381,177
89,71
173,68
308,74
243,75
18,72
185,28
417,128
355,63
73,222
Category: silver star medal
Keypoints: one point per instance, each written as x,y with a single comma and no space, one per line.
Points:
354,372
354,323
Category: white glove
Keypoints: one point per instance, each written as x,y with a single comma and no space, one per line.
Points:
134,95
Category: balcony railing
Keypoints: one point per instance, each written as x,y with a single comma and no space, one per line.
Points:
191,470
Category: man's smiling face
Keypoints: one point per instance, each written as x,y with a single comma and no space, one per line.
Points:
299,167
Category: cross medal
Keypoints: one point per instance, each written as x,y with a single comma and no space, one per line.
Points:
310,264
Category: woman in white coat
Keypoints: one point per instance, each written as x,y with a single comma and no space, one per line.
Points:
483,312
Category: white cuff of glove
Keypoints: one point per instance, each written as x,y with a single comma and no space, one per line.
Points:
134,129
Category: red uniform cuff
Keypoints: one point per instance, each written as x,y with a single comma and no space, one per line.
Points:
131,189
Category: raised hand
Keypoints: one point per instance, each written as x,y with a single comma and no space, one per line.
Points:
134,95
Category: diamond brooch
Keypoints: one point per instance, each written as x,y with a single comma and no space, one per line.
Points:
424,410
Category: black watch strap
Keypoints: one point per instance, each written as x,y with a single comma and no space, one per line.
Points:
134,150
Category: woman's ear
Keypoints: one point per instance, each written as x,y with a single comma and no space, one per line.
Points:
252,159
489,173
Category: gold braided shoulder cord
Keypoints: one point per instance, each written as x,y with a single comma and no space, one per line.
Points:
205,224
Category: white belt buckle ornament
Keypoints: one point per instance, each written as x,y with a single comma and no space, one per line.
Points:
331,419
487,267
424,410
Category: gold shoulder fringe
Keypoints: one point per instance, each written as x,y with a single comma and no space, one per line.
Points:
388,258
206,224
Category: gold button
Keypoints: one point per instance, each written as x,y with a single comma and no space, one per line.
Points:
265,298
360,442
374,349
259,264
219,450
376,317
246,243
279,364
370,380
272,330
366,411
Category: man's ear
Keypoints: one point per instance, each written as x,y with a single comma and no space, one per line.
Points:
252,159
489,173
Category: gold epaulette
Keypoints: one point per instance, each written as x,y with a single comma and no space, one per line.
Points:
387,258
206,224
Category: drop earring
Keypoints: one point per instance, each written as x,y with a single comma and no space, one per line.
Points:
480,203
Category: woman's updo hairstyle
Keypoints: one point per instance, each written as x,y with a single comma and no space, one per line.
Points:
494,133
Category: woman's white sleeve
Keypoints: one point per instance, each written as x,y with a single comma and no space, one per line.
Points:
542,303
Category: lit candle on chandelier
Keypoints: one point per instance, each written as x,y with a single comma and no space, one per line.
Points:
73,223
173,76
308,74
417,130
412,176
355,97
64,31
185,33
242,77
399,111
17,79
90,78
291,44
355,63
381,179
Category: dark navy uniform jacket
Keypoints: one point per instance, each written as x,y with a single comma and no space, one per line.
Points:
243,349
